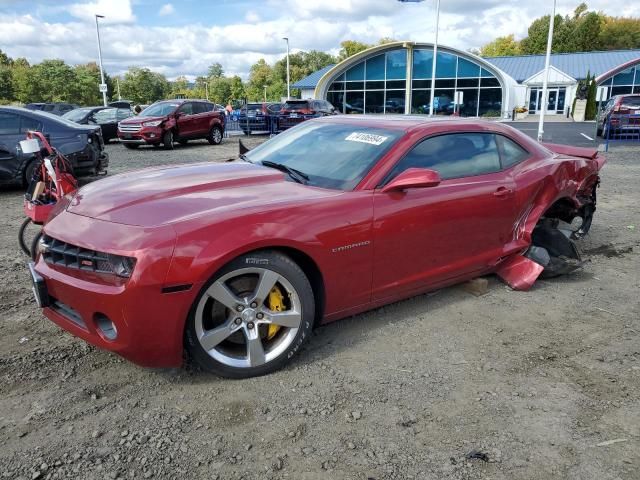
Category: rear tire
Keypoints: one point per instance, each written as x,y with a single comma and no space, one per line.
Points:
167,140
228,331
28,173
215,136
131,146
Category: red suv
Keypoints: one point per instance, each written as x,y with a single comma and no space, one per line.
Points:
170,121
294,112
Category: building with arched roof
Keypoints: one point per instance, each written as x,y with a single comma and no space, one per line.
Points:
396,78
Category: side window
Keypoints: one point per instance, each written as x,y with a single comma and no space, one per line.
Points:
187,108
27,124
105,116
454,155
197,108
9,124
123,113
510,152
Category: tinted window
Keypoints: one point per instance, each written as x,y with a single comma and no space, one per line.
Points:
455,155
123,113
9,124
296,106
630,102
332,155
207,107
511,153
48,108
105,116
187,108
197,107
27,124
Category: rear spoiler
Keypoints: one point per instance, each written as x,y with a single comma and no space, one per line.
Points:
582,152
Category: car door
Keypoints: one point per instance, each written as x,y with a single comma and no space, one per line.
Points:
424,237
9,138
201,113
187,123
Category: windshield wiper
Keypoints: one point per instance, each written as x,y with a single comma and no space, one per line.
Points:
297,175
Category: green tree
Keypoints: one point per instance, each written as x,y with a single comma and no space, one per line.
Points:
349,48
619,33
215,70
501,46
87,82
141,85
5,59
6,84
24,83
220,90
55,81
180,87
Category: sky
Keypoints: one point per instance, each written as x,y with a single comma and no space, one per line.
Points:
185,37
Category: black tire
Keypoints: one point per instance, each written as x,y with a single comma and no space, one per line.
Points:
28,173
34,245
131,146
215,135
29,245
167,140
183,141
268,261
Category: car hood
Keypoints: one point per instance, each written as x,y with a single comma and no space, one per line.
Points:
165,195
139,119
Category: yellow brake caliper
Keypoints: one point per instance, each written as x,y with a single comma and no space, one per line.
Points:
276,305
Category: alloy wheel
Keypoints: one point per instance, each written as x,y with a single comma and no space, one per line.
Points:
237,322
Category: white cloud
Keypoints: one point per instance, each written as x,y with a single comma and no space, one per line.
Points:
176,50
114,11
167,9
252,16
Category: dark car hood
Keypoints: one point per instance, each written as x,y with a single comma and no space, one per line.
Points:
164,195
139,119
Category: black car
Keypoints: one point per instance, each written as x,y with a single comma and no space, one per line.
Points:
259,117
58,108
106,117
81,144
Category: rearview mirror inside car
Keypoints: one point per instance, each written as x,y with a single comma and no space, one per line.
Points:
413,178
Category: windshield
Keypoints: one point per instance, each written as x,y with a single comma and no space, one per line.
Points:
77,114
333,155
159,109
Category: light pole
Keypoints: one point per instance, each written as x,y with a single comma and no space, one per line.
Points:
102,85
546,73
435,58
288,86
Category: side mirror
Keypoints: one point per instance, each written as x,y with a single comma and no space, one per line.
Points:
413,178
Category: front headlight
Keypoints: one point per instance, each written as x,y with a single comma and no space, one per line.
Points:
154,123
121,266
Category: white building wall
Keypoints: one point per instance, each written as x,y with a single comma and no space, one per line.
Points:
307,92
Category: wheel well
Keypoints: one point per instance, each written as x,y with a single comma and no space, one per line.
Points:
563,209
311,270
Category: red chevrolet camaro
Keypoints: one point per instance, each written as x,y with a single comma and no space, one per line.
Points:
236,262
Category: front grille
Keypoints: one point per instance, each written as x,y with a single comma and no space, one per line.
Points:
129,128
56,252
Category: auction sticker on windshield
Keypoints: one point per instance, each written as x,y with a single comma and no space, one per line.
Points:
370,138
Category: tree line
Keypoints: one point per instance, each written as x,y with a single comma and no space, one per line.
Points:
55,81
584,31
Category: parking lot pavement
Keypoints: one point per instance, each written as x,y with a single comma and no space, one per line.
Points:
579,134
545,383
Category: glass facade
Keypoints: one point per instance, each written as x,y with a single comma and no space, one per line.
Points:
627,81
378,85
556,97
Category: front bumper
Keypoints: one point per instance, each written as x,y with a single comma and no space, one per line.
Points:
131,317
144,136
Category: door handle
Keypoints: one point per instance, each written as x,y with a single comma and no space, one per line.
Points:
502,192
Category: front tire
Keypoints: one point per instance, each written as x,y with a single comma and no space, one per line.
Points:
167,140
215,136
233,329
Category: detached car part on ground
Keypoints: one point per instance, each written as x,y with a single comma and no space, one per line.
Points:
170,121
82,145
238,261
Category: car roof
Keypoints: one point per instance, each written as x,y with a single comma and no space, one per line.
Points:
47,116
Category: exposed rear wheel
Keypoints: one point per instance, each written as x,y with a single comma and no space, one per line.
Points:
252,317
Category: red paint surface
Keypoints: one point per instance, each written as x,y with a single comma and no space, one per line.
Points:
182,224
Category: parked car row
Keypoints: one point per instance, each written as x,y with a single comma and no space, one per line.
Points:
81,144
276,117
620,115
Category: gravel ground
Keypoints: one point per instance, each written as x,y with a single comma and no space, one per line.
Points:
532,384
